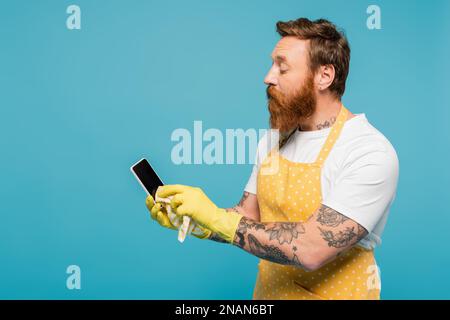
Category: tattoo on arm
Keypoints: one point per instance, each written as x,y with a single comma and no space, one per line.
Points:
215,237
268,252
338,238
329,217
279,241
279,247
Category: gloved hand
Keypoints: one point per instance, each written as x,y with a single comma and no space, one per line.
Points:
193,202
158,213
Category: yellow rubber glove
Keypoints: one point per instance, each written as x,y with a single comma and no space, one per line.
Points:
158,213
193,202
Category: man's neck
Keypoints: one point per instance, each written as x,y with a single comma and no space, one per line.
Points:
324,116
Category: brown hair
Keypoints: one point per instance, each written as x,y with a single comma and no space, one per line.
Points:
327,46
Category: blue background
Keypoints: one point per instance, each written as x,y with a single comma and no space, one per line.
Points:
78,107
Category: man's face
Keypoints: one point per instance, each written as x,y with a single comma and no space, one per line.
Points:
290,92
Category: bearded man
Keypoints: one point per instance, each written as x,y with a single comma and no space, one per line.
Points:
315,222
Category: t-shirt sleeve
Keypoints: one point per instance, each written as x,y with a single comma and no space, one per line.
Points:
251,184
366,186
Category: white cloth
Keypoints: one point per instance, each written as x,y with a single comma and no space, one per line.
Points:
359,177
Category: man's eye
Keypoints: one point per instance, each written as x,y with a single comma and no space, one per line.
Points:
283,71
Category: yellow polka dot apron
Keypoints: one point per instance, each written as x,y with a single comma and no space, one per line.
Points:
293,193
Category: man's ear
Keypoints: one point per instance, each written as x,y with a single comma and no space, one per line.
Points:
325,76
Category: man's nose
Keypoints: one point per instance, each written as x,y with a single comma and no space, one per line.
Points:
270,78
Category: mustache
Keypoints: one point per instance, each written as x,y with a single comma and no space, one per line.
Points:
275,96
276,100
270,92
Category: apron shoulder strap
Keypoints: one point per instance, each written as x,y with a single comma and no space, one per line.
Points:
332,136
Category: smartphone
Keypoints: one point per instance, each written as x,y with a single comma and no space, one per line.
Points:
150,181
146,176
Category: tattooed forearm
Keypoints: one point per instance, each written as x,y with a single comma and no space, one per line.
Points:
274,241
244,225
307,244
268,252
329,217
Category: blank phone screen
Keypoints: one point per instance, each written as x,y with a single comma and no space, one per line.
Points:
147,176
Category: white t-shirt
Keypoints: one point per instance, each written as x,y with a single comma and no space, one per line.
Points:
359,176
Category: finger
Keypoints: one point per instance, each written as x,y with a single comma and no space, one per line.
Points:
177,200
149,202
154,211
170,189
163,220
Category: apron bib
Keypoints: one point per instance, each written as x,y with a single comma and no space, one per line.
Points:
292,194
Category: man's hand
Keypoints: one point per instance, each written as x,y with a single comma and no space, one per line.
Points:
158,213
192,202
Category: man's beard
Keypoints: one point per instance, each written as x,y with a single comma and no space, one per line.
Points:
286,113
